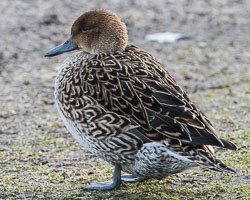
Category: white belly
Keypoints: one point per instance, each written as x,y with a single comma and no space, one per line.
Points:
74,130
155,160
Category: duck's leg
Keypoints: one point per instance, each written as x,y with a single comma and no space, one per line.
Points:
130,178
115,182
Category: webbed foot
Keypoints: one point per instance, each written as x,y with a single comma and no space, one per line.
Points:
130,178
107,185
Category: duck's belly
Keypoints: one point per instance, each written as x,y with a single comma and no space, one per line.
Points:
98,134
153,160
157,161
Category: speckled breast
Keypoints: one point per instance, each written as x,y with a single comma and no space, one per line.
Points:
102,133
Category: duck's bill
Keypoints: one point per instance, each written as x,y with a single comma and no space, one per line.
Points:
62,48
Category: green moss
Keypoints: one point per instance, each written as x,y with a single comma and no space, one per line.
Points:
27,80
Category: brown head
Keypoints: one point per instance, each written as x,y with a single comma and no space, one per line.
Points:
95,32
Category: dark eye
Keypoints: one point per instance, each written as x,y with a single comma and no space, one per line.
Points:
85,28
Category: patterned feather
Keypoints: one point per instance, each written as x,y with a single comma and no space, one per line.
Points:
132,87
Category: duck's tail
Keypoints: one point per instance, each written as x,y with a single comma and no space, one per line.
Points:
204,156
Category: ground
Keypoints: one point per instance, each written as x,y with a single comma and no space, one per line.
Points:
38,157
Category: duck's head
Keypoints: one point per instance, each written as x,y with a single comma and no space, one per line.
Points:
95,32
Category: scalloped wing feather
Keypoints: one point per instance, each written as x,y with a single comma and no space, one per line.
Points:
134,84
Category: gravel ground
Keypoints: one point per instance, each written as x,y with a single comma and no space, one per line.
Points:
40,160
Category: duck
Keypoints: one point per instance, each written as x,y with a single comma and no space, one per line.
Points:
123,106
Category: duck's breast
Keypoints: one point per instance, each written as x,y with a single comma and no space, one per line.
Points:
102,132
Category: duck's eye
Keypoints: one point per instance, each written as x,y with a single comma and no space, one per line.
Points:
85,28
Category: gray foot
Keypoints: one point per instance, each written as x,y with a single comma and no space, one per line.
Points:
129,178
107,185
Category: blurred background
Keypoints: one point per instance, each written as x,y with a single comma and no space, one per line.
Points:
210,60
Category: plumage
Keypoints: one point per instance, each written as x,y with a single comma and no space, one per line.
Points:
122,105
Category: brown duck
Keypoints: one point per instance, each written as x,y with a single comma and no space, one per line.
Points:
122,105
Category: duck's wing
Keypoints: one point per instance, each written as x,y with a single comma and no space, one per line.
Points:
133,84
